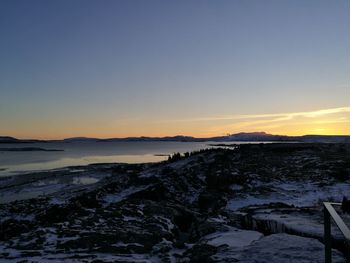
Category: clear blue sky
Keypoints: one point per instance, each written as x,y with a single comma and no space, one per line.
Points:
128,68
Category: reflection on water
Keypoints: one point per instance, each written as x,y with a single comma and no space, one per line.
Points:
83,153
37,166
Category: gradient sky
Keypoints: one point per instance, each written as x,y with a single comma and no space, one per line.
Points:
154,68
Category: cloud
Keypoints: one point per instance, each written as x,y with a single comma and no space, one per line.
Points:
331,120
267,118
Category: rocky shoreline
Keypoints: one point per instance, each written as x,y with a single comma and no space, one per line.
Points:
251,203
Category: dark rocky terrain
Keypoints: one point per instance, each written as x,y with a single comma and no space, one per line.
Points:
249,203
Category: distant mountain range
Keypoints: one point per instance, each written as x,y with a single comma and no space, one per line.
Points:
251,136
8,139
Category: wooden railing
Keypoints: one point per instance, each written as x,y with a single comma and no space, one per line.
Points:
329,212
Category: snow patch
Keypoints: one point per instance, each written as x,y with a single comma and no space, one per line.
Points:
278,248
116,198
234,237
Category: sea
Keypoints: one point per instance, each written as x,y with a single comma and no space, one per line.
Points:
87,152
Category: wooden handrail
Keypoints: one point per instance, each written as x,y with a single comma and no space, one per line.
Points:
329,212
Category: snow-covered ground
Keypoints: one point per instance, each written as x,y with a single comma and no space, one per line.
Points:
251,204
277,248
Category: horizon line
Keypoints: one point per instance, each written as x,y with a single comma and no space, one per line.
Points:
177,135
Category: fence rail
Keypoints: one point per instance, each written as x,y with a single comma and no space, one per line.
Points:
330,212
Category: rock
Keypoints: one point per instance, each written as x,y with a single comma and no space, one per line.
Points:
59,213
201,253
88,200
209,226
210,201
11,228
345,205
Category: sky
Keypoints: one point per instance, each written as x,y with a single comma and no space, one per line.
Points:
156,68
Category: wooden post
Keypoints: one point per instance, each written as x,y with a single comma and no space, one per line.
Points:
327,236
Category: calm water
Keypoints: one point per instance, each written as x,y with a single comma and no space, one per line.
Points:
83,153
